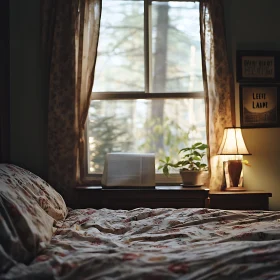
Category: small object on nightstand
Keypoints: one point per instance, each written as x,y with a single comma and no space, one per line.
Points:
233,144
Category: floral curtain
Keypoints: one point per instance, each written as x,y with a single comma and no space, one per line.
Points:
218,83
70,31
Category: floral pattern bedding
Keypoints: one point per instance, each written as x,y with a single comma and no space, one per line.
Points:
19,182
30,211
159,244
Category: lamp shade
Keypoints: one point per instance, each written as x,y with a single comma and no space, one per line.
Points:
233,143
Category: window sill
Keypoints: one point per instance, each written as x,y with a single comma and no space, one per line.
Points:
130,198
161,187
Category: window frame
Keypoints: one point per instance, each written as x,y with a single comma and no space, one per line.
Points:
161,179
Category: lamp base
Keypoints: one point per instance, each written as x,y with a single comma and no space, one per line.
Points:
235,189
233,176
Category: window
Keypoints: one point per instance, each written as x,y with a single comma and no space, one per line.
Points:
148,89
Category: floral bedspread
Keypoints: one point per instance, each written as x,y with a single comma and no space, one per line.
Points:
160,244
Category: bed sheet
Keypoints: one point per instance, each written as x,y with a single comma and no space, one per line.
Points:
160,244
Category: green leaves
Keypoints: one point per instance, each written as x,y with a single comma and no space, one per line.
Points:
192,159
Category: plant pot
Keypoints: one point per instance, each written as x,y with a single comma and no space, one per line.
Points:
193,177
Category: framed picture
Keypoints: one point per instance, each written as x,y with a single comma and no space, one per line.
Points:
258,66
259,105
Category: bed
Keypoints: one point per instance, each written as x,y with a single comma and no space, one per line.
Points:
41,238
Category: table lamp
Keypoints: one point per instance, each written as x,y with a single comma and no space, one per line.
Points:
233,144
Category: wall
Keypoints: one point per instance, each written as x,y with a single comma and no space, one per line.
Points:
250,24
29,100
4,82
255,25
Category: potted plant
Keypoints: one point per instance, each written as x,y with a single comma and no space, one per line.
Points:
193,170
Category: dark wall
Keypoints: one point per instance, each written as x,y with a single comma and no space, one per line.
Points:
29,98
4,82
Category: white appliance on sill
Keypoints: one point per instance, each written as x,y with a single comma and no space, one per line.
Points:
129,170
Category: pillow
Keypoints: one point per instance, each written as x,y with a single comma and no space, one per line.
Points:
35,188
30,208
12,249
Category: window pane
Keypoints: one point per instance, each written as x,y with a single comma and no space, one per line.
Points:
176,57
159,126
120,58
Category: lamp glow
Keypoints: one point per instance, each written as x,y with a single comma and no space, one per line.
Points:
233,143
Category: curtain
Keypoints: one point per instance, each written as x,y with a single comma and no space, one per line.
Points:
70,32
218,84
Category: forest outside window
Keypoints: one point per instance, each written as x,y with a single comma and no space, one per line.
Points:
148,87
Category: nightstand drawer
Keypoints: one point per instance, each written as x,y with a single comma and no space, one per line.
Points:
247,200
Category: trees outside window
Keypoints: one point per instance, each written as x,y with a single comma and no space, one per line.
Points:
148,89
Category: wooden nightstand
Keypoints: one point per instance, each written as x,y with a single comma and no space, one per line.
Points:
158,197
247,200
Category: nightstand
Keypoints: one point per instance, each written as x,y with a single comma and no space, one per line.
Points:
246,200
130,198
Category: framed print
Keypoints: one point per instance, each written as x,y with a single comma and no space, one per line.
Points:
258,66
259,106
